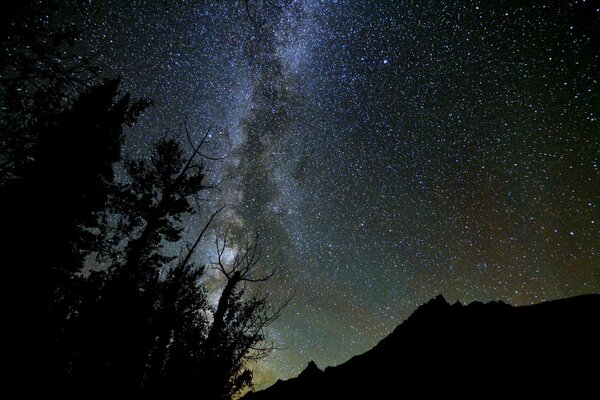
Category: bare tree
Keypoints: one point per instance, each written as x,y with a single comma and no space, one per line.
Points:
237,334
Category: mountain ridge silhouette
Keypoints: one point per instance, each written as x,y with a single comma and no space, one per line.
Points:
474,350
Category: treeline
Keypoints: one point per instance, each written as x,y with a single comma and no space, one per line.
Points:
141,323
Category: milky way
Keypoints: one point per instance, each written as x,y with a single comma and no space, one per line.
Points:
387,152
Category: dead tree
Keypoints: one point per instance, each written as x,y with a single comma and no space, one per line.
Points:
237,333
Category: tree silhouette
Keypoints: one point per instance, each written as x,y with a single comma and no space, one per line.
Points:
39,75
141,322
148,208
236,335
153,328
181,324
53,205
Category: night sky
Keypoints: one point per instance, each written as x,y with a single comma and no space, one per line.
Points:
387,151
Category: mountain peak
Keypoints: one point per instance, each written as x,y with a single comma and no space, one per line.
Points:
432,307
475,346
311,370
439,300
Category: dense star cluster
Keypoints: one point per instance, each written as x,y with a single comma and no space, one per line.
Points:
387,151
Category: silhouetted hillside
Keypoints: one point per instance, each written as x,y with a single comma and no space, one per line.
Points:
477,350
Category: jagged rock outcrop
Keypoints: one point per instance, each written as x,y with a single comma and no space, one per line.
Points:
476,350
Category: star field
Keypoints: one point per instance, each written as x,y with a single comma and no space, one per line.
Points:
387,151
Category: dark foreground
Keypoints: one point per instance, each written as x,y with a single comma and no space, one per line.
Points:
476,350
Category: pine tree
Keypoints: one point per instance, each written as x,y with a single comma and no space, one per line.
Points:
147,209
53,208
40,75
